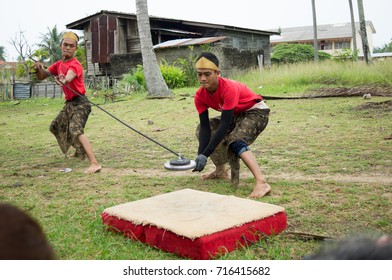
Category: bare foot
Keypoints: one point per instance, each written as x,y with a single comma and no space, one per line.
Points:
93,168
218,173
261,189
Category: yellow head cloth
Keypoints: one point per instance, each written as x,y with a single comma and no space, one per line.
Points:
70,35
206,64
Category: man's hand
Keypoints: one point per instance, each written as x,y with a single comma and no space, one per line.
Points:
38,66
201,162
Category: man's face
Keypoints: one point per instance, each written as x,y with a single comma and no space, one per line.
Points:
68,48
208,78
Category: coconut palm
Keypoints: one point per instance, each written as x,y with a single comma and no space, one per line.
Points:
156,85
50,43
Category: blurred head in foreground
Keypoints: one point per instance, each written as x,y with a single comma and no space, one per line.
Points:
21,237
356,248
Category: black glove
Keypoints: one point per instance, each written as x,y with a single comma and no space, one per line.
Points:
201,162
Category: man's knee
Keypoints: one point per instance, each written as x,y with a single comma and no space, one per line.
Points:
238,147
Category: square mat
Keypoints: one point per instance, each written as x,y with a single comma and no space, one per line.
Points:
195,224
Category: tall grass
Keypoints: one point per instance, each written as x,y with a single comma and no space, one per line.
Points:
300,78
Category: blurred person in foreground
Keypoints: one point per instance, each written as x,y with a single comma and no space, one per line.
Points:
359,247
227,137
21,237
68,126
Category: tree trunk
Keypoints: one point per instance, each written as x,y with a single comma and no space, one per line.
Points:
362,23
353,31
315,43
156,85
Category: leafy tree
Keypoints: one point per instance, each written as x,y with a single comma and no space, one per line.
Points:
295,53
80,53
385,48
24,50
51,44
2,53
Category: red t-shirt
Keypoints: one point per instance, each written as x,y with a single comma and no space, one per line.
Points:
61,68
229,95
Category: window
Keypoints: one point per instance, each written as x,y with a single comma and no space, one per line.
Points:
325,45
342,45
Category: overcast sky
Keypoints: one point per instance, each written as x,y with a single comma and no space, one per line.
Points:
35,17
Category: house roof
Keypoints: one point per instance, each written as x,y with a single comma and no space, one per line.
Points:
188,42
8,65
326,31
79,24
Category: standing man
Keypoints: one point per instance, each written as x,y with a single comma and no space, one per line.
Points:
244,116
68,126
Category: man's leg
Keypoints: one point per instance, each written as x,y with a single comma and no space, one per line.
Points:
94,165
262,187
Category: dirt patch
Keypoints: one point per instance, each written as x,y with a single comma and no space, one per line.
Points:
352,91
355,178
382,106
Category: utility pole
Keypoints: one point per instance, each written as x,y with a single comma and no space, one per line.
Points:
362,24
315,44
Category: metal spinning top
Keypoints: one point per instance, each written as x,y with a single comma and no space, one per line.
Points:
180,164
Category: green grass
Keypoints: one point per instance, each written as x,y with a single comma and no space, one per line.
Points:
296,79
329,166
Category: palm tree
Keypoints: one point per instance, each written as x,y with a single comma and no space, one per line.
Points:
362,25
315,44
2,53
50,43
156,85
354,33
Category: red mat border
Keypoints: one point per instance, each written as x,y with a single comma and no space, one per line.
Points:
202,248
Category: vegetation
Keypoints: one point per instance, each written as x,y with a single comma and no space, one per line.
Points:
2,54
295,53
51,44
328,162
297,79
173,75
385,48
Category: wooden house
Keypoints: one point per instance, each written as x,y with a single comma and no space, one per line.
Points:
113,46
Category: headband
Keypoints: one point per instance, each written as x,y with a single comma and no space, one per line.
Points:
71,35
206,63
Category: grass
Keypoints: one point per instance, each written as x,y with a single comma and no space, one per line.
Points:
328,164
294,79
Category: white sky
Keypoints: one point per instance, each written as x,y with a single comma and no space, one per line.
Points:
36,16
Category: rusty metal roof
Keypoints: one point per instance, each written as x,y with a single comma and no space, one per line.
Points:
188,42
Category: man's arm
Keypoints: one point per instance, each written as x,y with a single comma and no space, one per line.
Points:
226,119
67,78
41,73
204,131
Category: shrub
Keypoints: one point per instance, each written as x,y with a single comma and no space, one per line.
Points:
173,76
295,53
133,81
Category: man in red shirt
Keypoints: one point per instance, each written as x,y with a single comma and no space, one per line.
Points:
68,126
243,117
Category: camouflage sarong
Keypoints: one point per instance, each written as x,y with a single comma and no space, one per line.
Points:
246,127
70,123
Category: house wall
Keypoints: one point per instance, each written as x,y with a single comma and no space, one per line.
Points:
124,63
231,60
109,37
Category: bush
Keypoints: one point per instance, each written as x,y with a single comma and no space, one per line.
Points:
295,53
173,76
133,81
